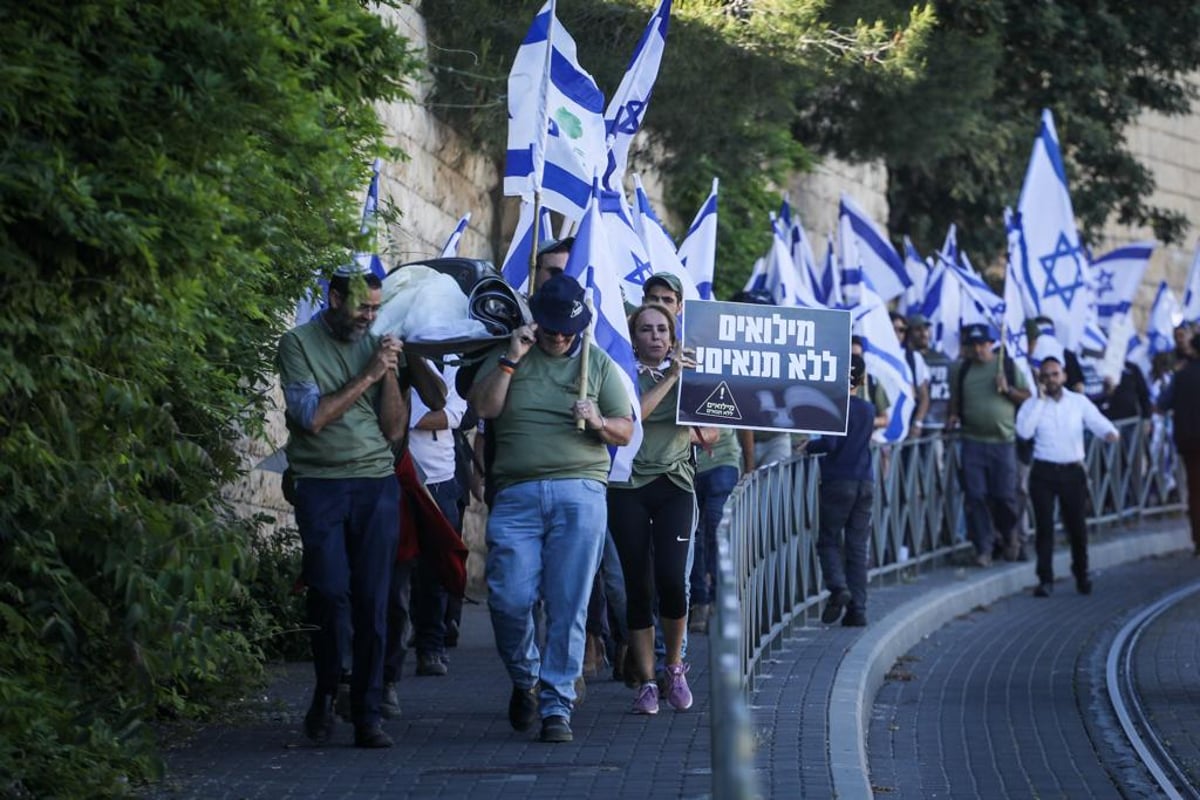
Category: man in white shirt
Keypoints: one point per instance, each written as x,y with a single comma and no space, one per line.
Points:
1055,420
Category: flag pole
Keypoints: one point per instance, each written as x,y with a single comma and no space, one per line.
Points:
534,238
583,356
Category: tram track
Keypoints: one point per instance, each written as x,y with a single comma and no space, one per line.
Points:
1128,705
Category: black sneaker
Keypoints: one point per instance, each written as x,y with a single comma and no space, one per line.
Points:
835,605
556,729
854,619
1044,590
320,719
1083,585
371,737
523,707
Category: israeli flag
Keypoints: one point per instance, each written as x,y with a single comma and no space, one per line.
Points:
658,244
918,273
625,111
1191,290
979,302
450,248
886,362
1056,272
865,247
556,136
778,274
515,270
1116,276
942,305
630,259
1015,339
799,246
371,204
593,262
1165,314
316,298
698,251
827,288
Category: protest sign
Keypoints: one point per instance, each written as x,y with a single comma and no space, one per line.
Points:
766,367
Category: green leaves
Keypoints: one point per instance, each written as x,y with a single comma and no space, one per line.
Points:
173,175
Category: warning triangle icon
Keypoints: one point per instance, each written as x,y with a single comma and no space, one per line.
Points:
720,404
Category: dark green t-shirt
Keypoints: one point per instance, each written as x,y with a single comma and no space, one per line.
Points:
986,415
666,447
352,446
536,437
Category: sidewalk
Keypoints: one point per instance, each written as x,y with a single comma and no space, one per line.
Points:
810,713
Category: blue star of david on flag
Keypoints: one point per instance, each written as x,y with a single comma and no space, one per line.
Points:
642,271
629,117
1104,281
1062,250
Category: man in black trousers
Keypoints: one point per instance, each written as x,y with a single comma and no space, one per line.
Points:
1055,420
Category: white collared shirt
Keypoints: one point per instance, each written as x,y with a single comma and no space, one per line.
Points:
1056,426
433,451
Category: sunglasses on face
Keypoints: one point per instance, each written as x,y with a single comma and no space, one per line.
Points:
554,334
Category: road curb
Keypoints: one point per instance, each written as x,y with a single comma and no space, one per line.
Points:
861,673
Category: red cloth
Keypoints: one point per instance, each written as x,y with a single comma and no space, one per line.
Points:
425,529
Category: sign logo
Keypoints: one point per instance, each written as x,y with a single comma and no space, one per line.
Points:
720,404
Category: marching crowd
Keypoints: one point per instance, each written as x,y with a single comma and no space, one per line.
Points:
583,571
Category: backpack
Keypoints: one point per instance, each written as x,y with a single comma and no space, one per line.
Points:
1024,446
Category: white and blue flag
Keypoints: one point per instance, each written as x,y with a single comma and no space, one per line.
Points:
659,247
800,246
1056,269
827,285
450,248
515,270
698,251
1191,290
316,298
866,248
777,274
630,259
886,362
627,108
1016,306
556,136
1165,314
593,263
918,273
1116,276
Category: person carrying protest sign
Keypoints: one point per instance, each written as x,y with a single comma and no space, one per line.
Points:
653,513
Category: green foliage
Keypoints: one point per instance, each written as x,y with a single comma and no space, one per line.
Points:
172,175
725,101
957,140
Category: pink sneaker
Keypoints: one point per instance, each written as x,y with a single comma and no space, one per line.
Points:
647,699
678,693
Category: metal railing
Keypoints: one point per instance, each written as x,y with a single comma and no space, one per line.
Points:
769,577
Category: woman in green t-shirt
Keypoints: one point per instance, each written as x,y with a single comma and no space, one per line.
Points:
652,515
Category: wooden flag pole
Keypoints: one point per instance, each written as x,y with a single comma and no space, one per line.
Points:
534,237
580,424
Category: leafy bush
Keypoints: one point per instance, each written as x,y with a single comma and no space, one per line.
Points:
174,172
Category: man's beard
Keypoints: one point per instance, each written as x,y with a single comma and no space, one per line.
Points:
343,327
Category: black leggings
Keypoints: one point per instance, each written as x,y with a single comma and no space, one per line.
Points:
652,528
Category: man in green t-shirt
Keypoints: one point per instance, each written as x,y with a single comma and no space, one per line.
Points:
548,519
983,404
344,410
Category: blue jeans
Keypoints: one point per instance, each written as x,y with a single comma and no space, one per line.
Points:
845,507
713,488
989,473
349,529
544,539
